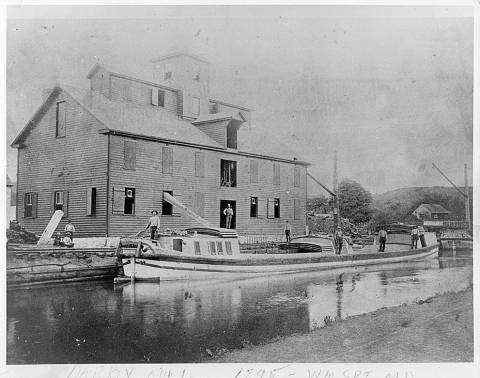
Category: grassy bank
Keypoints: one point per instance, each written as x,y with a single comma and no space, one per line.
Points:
439,329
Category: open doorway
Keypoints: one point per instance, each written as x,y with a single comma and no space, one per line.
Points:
223,217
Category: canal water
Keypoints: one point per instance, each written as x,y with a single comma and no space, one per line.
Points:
99,322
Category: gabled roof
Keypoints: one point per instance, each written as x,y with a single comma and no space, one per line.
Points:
140,120
154,123
435,208
127,118
36,116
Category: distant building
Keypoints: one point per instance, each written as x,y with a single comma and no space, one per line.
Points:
428,211
11,200
105,156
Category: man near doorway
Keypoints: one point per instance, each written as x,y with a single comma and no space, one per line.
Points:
288,230
153,223
382,239
228,212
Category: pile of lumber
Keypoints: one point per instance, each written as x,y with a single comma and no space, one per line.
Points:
17,234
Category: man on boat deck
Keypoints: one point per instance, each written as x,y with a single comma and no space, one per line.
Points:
288,230
153,223
421,236
382,239
228,212
339,240
414,235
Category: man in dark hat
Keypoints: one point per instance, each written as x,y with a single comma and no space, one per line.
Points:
153,223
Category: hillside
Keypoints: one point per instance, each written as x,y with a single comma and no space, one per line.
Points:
398,204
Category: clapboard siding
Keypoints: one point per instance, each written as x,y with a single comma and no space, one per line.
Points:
216,131
72,164
149,182
140,93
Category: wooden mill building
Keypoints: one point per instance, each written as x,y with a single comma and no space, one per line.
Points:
106,155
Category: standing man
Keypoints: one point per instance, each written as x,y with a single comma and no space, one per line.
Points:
153,223
288,230
69,229
228,212
339,240
421,235
382,239
414,235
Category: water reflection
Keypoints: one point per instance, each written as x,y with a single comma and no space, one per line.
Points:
177,322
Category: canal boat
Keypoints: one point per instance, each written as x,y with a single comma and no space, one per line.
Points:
212,253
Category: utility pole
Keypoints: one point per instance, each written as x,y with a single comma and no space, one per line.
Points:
336,212
465,193
467,200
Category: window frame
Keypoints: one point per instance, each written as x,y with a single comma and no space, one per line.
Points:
199,164
167,164
57,119
134,194
91,205
223,182
167,205
55,203
276,208
28,205
129,164
276,173
195,105
253,207
296,176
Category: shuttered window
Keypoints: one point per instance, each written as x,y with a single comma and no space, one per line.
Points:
270,208
199,164
130,154
127,93
276,174
296,177
199,204
253,171
195,105
262,208
91,201
297,209
30,205
158,97
123,201
61,119
167,160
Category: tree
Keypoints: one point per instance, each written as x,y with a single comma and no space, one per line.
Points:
354,201
317,204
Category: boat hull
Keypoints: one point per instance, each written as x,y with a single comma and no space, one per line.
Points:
168,267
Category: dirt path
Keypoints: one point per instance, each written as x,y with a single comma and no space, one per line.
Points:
439,330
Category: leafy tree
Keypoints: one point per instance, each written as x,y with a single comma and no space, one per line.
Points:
317,204
354,201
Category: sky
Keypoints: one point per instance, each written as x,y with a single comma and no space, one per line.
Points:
389,88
